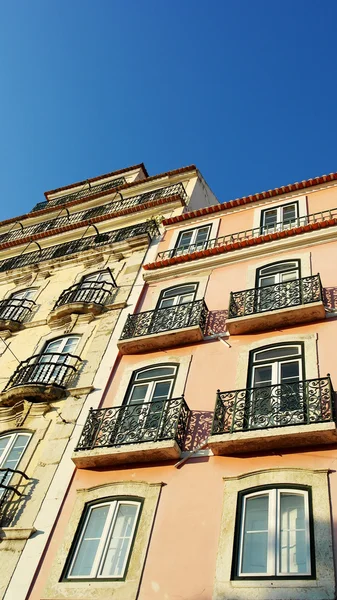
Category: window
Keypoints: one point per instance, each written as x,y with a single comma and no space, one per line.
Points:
12,447
95,287
274,395
146,402
52,362
192,239
103,543
278,285
274,534
16,307
279,218
177,295
177,302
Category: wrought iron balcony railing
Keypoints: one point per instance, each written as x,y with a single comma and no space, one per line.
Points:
84,215
15,309
249,234
96,241
166,319
275,297
301,403
8,494
82,193
88,292
45,369
135,424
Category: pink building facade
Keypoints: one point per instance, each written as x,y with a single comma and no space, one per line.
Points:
208,472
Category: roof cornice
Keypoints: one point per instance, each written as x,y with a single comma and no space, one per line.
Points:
286,189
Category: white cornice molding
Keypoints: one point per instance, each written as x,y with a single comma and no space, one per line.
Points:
303,240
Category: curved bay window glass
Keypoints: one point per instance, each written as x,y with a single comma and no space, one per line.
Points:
278,285
52,364
104,540
274,395
274,534
18,305
12,447
95,287
143,418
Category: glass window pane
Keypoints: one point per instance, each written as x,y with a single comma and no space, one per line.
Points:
262,376
270,217
185,239
290,370
290,276
293,549
255,536
138,393
120,541
161,390
289,212
265,281
154,373
279,268
89,544
3,444
12,459
202,235
274,353
178,291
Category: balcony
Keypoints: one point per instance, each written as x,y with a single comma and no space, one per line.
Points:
122,206
274,417
148,229
9,494
13,312
42,377
279,305
82,193
147,432
86,297
164,328
246,238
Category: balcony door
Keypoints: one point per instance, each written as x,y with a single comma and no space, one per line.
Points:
94,287
16,306
53,363
274,395
279,218
192,240
174,308
143,414
278,286
12,447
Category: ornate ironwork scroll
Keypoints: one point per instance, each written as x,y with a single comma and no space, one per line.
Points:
275,297
301,403
135,424
166,319
45,369
89,292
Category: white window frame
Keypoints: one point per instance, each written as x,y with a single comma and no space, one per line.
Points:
195,230
280,224
103,546
273,558
12,437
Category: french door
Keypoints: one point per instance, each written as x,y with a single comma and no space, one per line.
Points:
278,286
92,288
143,413
51,365
15,308
279,218
194,239
275,396
177,302
12,447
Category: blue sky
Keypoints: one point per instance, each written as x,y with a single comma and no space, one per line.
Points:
245,90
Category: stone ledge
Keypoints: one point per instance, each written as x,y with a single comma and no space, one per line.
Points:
126,454
16,533
303,313
260,440
163,339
